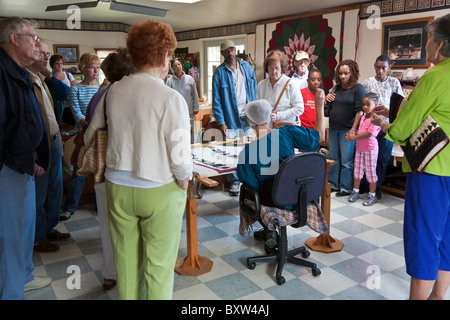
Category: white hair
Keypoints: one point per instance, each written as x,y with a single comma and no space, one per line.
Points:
16,25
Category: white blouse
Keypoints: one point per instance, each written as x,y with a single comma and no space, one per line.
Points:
148,130
291,102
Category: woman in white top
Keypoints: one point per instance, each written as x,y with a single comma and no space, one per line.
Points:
62,108
57,65
148,163
290,105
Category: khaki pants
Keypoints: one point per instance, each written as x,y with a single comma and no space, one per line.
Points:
145,226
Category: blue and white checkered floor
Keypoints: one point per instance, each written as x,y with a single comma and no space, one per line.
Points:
372,238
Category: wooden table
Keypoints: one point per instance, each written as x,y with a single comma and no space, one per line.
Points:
194,264
325,242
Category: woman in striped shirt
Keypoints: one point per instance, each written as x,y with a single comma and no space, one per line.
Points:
79,97
81,94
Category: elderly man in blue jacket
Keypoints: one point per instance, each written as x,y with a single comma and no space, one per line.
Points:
234,85
24,152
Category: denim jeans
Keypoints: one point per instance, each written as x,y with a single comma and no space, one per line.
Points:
384,156
74,192
342,152
17,224
49,194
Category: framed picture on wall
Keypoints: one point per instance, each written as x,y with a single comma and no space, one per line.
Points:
70,52
404,42
102,53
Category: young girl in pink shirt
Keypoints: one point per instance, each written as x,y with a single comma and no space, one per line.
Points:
366,151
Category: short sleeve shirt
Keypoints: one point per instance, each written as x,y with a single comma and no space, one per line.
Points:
371,143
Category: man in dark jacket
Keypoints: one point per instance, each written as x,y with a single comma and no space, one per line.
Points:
24,152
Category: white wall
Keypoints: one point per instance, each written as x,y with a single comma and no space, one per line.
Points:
370,41
369,45
88,41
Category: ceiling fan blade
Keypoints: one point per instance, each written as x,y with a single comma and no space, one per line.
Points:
82,5
134,8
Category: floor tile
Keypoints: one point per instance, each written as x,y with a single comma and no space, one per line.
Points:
372,238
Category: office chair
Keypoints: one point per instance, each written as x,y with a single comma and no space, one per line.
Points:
300,179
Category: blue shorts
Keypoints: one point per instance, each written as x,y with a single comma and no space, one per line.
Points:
427,225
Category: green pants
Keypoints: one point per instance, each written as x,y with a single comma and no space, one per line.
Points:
145,227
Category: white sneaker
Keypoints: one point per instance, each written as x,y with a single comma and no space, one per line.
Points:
38,283
370,200
234,190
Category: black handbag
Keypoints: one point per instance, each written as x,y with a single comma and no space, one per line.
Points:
328,105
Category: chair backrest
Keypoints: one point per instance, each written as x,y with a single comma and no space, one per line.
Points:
303,165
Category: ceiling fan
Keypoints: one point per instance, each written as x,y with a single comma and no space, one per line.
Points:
117,6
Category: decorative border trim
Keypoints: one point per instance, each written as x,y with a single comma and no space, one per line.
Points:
398,7
47,24
387,8
246,28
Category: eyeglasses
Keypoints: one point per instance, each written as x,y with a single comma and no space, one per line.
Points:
303,61
43,53
274,68
33,36
93,68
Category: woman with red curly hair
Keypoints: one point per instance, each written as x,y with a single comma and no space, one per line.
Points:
148,164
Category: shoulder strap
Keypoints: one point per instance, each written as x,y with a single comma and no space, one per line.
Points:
279,98
104,107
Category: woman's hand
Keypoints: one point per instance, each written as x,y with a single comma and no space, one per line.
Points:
381,110
38,170
83,121
330,97
351,135
183,183
376,119
273,117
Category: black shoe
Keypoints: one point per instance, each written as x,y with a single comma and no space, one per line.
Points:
269,237
65,216
342,193
260,235
334,190
378,194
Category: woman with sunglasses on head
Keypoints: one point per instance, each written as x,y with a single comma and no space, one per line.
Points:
79,97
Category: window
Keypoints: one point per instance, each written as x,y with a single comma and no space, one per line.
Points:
213,59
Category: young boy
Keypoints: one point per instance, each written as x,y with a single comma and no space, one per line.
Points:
366,150
308,118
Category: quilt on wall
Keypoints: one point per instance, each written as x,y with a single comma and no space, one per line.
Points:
310,34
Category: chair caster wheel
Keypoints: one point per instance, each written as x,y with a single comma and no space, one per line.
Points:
251,265
306,254
280,280
316,272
